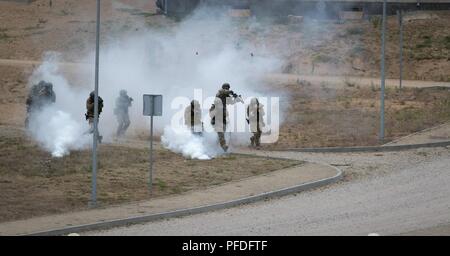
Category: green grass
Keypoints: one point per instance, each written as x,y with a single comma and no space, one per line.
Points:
144,14
446,42
376,21
323,58
32,27
356,50
4,36
355,31
161,184
425,43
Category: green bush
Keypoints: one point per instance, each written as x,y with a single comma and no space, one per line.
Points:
446,42
376,21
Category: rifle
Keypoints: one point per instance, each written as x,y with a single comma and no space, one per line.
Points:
238,98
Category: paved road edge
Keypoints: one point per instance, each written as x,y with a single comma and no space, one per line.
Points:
196,210
368,148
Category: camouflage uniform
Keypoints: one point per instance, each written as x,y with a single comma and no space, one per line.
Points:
219,120
41,95
223,97
193,117
255,114
90,114
123,102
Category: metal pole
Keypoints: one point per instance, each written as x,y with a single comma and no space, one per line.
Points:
383,78
165,7
151,155
95,137
400,22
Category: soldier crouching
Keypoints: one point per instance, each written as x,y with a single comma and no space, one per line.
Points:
40,95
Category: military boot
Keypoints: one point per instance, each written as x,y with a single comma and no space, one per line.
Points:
258,143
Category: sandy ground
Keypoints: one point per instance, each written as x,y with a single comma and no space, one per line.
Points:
388,194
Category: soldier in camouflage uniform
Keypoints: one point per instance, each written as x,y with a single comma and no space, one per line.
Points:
193,117
123,102
219,120
40,95
227,96
90,114
224,97
255,113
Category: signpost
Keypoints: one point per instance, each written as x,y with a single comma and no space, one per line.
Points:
152,107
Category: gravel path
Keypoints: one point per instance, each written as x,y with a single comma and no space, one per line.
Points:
386,193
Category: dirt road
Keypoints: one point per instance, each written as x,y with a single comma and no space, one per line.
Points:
276,78
388,194
344,81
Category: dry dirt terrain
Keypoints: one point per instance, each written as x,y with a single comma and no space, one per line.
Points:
32,183
353,47
319,115
323,116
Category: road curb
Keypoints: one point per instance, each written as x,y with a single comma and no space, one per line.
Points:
416,133
195,210
368,149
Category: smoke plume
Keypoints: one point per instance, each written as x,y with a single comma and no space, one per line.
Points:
202,52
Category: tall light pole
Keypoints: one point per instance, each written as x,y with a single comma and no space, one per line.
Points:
383,78
400,23
93,202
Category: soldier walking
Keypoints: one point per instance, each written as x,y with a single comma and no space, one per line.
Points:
90,106
219,120
193,117
255,113
123,102
224,97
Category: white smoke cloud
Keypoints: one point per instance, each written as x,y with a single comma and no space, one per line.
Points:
59,128
181,140
202,52
58,131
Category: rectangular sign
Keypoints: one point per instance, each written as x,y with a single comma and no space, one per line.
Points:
152,105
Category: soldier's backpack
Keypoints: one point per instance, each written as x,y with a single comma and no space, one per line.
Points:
100,105
211,113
